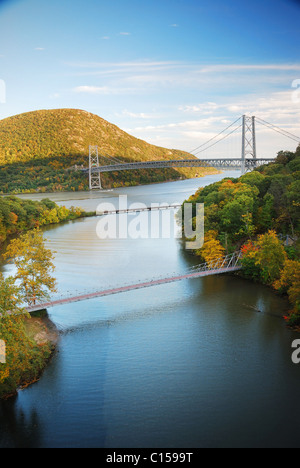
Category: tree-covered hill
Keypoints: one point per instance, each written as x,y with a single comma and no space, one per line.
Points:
39,149
258,213
18,216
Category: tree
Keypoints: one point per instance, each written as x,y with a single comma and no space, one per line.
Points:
10,296
264,259
212,249
251,269
12,331
270,256
289,282
34,265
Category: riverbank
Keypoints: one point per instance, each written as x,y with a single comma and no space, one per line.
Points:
258,214
43,336
175,365
18,216
111,183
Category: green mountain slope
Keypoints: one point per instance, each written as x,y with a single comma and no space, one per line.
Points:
38,150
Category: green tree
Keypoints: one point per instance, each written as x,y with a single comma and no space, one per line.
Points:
34,263
266,255
12,333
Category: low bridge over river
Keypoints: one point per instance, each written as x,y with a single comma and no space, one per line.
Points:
228,264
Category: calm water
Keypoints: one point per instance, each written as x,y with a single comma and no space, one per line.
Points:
181,365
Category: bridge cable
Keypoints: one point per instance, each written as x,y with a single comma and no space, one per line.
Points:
278,130
221,139
216,136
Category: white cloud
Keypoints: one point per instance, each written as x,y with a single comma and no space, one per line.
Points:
39,48
139,65
277,108
204,108
137,115
227,91
212,79
249,67
104,90
54,96
125,34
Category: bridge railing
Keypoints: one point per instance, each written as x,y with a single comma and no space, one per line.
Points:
226,163
229,261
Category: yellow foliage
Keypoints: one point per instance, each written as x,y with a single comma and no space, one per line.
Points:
290,280
212,249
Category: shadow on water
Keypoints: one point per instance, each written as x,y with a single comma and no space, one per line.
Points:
18,429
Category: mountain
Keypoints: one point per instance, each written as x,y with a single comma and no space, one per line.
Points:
39,149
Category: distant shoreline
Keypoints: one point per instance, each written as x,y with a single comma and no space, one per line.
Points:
204,173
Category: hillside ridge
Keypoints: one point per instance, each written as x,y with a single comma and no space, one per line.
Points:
39,148
58,132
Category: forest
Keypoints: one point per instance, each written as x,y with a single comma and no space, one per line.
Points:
18,215
39,152
258,213
59,174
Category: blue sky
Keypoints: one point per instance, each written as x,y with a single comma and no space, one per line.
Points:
171,72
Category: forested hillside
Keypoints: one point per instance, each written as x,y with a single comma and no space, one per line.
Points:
18,216
260,214
39,150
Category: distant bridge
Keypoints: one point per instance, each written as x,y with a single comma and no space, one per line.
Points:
247,162
236,163
228,264
166,206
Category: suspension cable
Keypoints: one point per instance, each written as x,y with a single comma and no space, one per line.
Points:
216,136
221,139
278,130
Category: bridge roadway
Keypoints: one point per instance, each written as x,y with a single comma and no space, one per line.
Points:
139,210
109,292
236,163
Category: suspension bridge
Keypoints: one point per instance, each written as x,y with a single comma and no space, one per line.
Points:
247,162
228,264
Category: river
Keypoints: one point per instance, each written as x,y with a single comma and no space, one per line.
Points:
190,364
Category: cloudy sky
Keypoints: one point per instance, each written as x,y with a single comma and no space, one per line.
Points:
171,72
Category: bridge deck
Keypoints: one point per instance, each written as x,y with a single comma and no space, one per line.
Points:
233,163
109,292
138,210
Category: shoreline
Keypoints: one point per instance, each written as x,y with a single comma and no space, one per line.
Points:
45,335
206,172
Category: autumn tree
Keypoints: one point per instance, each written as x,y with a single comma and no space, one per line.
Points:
34,263
289,282
270,256
12,333
212,249
264,258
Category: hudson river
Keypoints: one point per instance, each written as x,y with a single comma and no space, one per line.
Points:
199,363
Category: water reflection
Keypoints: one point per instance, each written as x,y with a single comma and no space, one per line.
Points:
198,363
19,428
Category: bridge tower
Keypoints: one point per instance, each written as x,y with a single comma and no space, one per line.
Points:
248,141
95,178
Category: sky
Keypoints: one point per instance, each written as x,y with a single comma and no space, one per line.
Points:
171,72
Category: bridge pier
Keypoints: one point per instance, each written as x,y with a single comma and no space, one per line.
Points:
248,141
94,176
